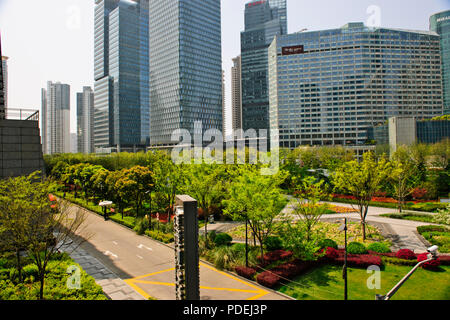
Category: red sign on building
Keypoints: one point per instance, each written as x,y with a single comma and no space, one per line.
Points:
286,51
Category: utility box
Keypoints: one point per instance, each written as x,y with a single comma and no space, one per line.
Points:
187,273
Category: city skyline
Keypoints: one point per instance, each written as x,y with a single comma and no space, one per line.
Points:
72,23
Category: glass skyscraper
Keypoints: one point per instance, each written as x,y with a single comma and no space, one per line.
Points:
263,21
2,87
122,107
185,67
440,23
328,87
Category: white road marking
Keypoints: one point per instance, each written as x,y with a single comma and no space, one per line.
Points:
139,257
108,253
141,246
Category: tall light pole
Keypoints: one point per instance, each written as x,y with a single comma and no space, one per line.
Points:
432,256
344,272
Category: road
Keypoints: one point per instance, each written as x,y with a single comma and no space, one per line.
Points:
148,266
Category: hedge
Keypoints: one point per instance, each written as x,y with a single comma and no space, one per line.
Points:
274,256
248,273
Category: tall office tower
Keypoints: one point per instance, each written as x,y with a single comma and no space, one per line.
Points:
56,118
236,95
328,87
85,120
185,67
5,79
263,21
121,98
2,87
440,23
224,111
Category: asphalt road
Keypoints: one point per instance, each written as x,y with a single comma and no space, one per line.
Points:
148,266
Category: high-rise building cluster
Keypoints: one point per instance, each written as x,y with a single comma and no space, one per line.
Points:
158,69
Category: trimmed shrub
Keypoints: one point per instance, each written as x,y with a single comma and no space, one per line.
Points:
268,279
399,262
406,254
445,260
361,261
328,243
248,273
273,243
292,269
356,248
430,265
274,256
332,253
378,247
142,224
222,239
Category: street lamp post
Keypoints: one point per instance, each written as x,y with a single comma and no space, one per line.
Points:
432,256
344,273
105,205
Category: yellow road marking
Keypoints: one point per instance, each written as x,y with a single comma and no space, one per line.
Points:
138,289
132,282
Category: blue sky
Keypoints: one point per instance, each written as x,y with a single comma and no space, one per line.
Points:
53,39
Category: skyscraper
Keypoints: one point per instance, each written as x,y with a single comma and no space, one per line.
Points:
185,67
224,111
5,79
56,118
440,23
2,87
85,120
236,94
121,116
263,21
328,87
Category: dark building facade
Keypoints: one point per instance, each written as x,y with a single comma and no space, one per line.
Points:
2,95
263,21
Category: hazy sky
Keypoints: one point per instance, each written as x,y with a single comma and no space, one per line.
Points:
54,39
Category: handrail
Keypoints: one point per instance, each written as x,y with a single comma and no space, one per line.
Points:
22,114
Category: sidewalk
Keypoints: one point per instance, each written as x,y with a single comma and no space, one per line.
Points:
113,287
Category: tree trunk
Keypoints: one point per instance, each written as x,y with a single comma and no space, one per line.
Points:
363,225
41,290
19,265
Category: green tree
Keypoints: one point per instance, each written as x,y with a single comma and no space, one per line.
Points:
205,184
138,182
402,176
258,199
99,184
362,180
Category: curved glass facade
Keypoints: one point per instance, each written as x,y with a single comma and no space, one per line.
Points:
440,23
328,87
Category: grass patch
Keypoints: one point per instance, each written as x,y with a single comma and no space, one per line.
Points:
326,283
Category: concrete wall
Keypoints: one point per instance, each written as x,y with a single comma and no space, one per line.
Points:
20,148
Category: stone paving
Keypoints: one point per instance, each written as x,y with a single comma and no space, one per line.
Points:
113,287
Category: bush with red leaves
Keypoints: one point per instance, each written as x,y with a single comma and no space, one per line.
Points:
430,265
389,254
274,256
406,254
445,260
268,279
419,193
245,272
292,269
331,253
360,261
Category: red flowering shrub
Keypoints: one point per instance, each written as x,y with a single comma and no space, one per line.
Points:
388,254
268,279
274,256
431,265
245,272
292,269
405,254
445,260
381,194
361,261
419,193
332,253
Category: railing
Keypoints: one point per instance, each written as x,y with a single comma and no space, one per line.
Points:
22,114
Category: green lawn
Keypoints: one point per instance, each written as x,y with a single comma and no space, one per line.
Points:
326,283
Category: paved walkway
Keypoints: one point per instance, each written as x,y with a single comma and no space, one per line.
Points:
113,287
